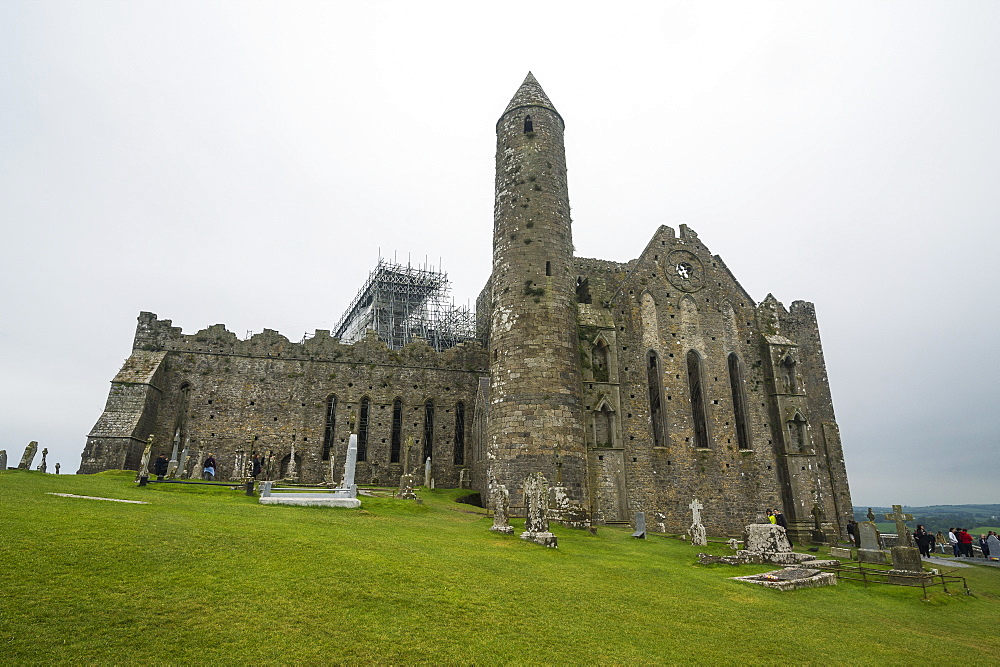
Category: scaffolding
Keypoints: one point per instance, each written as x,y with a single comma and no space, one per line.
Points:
400,303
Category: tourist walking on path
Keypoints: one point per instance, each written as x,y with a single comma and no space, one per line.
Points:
209,468
852,531
923,540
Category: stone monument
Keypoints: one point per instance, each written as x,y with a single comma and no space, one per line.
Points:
697,530
640,526
536,520
427,472
182,462
57,468
29,455
293,474
344,496
406,487
905,558
172,466
870,549
993,544
144,463
3,459
43,466
199,465
500,499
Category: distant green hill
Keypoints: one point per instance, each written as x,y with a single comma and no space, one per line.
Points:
939,517
206,575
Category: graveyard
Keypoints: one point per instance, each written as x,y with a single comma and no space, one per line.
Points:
209,574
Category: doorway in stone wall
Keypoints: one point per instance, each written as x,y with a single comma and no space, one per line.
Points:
607,485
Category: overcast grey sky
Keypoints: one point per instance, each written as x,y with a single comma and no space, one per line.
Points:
245,163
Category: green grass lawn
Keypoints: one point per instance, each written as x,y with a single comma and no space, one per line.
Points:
205,574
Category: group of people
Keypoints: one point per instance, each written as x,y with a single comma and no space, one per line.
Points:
777,518
961,542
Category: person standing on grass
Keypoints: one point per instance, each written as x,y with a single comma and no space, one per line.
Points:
255,466
966,541
770,516
984,545
852,532
953,542
923,540
209,468
160,466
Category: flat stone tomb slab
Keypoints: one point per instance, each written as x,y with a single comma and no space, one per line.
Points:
114,500
791,578
311,500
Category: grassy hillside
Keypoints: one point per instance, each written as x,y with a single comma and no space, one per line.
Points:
939,517
204,574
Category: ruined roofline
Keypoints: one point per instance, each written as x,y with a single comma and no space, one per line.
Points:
153,334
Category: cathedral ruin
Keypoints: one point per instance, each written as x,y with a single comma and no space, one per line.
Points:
632,386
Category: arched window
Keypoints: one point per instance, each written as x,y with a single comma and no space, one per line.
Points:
697,400
331,425
601,361
739,401
788,375
428,428
655,404
397,430
603,424
363,428
528,126
460,433
797,435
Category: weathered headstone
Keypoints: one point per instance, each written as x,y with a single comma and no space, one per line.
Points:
500,498
407,446
905,557
838,552
199,465
640,526
293,474
698,536
463,478
28,456
172,466
536,520
427,472
406,487
3,459
182,462
993,544
350,465
661,522
870,550
144,462
43,466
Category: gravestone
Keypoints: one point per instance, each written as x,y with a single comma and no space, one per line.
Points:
350,465
905,558
199,465
29,455
500,498
172,466
536,519
870,550
661,520
993,544
698,536
3,459
889,540
407,446
57,468
144,463
463,478
406,487
182,462
43,466
293,474
640,525
427,472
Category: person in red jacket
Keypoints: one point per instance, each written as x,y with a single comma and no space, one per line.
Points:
966,541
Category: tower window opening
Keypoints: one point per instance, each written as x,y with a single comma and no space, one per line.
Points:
428,429
363,429
655,407
528,126
697,400
397,430
331,425
739,401
548,268
460,433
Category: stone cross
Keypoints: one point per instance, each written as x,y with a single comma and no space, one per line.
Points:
536,519
144,463
199,465
29,455
871,515
43,465
351,463
238,463
3,459
57,468
427,472
182,462
697,530
640,526
292,473
901,530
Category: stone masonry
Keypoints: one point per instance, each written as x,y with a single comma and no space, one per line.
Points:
635,386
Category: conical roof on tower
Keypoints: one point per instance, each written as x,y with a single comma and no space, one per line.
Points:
530,94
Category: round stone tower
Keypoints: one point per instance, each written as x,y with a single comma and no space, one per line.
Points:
535,415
